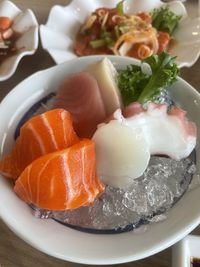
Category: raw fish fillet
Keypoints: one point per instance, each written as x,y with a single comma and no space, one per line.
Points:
106,76
42,134
80,95
61,180
122,154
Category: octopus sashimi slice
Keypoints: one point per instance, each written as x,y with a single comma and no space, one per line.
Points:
125,143
80,95
61,180
42,134
167,133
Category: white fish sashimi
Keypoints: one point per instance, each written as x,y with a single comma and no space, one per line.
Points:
105,74
120,151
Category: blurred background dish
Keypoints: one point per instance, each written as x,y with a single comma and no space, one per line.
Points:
58,34
19,37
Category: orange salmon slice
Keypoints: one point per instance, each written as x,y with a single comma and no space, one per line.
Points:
62,180
42,134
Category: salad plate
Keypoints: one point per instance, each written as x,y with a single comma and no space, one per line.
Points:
59,32
69,244
25,28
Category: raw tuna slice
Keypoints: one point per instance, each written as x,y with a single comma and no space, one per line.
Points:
79,94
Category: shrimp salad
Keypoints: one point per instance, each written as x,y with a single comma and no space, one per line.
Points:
112,31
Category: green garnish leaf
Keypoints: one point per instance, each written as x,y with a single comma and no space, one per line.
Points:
138,86
131,83
97,43
106,39
106,36
164,19
120,8
117,31
164,73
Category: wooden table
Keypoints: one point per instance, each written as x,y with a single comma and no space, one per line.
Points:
15,252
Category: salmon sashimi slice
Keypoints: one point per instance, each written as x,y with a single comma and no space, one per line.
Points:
80,95
61,180
42,134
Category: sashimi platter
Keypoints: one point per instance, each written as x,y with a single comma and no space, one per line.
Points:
105,148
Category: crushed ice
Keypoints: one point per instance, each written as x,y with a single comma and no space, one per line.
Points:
145,200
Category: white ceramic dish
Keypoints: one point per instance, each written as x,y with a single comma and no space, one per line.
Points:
25,23
184,250
57,35
68,244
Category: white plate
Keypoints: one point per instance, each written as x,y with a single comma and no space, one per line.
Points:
184,250
63,242
57,35
26,24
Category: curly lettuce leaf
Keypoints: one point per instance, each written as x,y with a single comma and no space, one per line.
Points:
164,73
164,19
131,83
138,86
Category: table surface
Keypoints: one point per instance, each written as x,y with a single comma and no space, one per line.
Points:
14,251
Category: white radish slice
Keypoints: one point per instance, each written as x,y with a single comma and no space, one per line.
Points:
121,152
105,74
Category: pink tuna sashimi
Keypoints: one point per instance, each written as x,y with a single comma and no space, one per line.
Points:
80,95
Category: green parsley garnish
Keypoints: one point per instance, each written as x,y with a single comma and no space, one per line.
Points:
164,19
138,86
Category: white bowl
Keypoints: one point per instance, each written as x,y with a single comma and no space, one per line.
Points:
68,244
58,34
184,250
25,23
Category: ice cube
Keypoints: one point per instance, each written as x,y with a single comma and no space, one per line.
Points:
146,200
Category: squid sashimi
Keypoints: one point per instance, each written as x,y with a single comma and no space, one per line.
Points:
106,76
168,133
61,180
42,134
122,154
80,95
124,145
